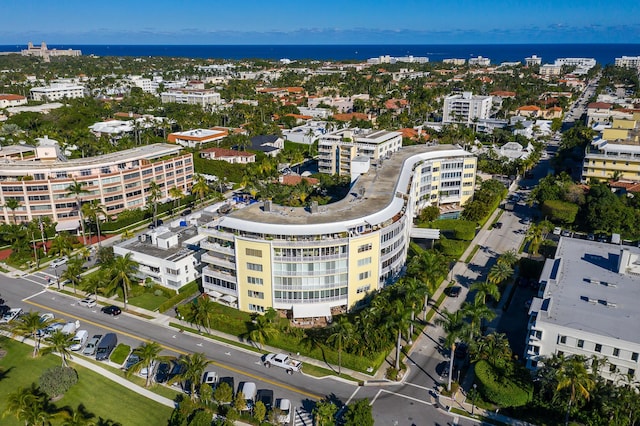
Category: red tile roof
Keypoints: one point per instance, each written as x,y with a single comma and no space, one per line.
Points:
351,116
294,180
11,97
599,105
503,94
395,103
529,108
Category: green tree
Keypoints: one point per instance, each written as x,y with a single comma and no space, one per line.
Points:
28,325
61,245
342,334
499,273
28,405
455,329
413,292
155,194
574,376
239,402
95,212
223,393
77,189
398,320
177,195
149,354
259,411
484,289
430,267
193,367
324,413
59,343
12,204
200,187
201,312
476,312
78,417
73,271
262,330
359,413
509,257
123,272
494,348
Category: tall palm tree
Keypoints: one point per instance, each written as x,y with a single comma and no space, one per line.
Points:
494,348
122,273
73,271
193,367
413,292
148,353
509,258
77,189
28,325
95,283
484,289
573,375
343,333
431,268
201,313
12,204
455,328
59,342
61,245
398,320
476,312
26,404
499,273
262,330
94,211
200,187
177,195
155,194
78,417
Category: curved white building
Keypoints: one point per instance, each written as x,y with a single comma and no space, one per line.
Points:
312,261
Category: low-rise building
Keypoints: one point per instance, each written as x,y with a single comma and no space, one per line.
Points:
270,145
587,305
56,91
9,100
533,60
628,62
197,137
454,61
465,108
203,97
480,61
168,255
229,155
550,70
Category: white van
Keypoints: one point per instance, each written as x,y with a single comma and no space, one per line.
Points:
79,340
248,390
70,327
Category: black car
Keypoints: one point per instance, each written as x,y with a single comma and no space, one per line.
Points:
453,291
266,396
111,310
163,372
186,212
155,224
497,225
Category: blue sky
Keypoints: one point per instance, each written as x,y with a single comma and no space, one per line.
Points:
318,22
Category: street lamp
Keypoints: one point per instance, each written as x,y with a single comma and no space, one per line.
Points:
475,395
57,277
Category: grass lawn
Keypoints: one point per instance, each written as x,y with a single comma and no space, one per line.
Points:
100,396
148,301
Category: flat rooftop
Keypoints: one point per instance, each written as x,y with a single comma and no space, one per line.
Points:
587,293
377,195
172,254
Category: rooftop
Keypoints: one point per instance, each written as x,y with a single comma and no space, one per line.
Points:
187,239
584,290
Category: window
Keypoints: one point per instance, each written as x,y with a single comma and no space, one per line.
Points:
365,247
256,308
364,275
365,261
562,339
253,252
255,280
363,289
634,356
616,352
255,294
598,347
612,368
254,267
632,372
580,343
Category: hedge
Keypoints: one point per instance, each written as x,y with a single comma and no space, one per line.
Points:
183,293
457,229
502,391
452,248
559,211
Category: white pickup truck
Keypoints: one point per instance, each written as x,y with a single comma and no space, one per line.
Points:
282,361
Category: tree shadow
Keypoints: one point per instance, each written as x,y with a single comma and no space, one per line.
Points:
5,373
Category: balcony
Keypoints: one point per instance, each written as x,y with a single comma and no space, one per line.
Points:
218,248
219,261
225,276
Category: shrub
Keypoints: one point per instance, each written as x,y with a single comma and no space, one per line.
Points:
183,294
58,380
392,374
452,248
501,390
559,211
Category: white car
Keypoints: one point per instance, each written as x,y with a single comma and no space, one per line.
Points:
59,262
88,301
10,316
284,408
557,230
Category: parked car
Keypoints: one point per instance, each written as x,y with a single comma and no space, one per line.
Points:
162,372
210,378
453,291
131,360
248,390
284,408
158,222
557,230
185,212
79,340
146,371
10,315
266,396
50,329
106,346
59,262
88,301
92,345
70,327
497,225
111,310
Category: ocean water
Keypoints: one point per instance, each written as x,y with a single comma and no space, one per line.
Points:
603,53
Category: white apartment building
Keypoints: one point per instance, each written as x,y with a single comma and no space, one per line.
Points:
454,61
202,97
480,61
56,91
628,62
118,181
197,137
169,255
341,150
587,63
588,305
533,61
550,70
306,133
146,84
465,107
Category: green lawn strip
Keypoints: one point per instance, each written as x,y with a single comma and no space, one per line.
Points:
483,419
99,395
497,218
473,253
120,353
148,301
432,311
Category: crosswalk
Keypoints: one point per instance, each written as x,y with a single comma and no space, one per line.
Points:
302,418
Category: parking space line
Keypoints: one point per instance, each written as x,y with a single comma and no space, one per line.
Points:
404,396
179,351
352,395
34,295
374,398
418,386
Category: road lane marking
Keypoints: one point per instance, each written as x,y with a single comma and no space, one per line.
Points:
352,395
404,396
181,352
418,386
374,398
34,295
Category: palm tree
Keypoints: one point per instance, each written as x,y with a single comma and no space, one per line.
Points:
94,211
262,330
193,367
509,258
413,293
499,273
201,313
95,283
59,342
61,245
573,375
155,193
494,348
200,187
73,271
455,328
78,417
123,272
28,325
430,267
77,189
177,195
26,404
398,320
12,204
484,289
343,333
476,312
148,353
